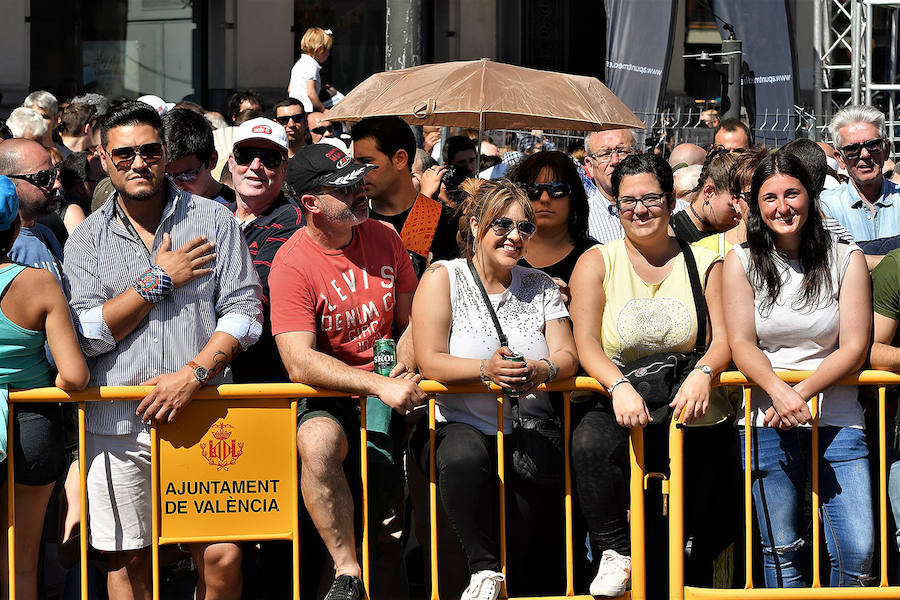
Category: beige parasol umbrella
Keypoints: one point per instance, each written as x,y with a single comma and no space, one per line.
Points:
483,94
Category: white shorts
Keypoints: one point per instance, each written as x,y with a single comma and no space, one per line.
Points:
118,491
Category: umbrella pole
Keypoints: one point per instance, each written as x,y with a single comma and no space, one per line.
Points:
478,152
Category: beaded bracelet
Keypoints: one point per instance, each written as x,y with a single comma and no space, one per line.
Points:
154,284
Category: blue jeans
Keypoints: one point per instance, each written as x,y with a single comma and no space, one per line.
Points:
893,460
781,466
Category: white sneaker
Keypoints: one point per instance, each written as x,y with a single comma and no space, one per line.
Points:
613,576
484,585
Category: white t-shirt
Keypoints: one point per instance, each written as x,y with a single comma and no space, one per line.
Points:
799,339
531,300
303,70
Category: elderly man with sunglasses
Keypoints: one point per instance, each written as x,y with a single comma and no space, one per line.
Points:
28,164
258,164
868,205
164,294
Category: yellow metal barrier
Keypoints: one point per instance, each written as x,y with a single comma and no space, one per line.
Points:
637,486
677,589
289,392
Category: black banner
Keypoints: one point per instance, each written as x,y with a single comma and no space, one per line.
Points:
638,47
768,83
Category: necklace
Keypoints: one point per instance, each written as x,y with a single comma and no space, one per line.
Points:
700,218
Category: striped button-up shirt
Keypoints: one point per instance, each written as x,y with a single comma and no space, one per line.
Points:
103,260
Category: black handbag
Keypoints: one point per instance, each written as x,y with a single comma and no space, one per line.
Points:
658,377
537,443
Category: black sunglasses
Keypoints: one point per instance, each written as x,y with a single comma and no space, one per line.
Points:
42,179
321,129
554,189
269,157
854,151
503,225
285,119
123,157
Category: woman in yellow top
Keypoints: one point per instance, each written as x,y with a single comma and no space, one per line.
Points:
632,298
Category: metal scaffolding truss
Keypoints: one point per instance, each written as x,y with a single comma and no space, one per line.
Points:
837,24
844,48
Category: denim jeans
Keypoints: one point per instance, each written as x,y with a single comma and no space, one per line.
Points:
781,465
893,459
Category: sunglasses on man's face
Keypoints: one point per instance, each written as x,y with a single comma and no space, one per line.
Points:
269,157
854,151
554,189
322,129
187,176
503,225
124,156
42,179
285,119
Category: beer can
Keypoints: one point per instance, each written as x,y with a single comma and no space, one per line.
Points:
384,355
514,357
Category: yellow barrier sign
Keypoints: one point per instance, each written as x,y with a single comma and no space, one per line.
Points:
223,471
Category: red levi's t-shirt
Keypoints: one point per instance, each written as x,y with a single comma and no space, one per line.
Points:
345,296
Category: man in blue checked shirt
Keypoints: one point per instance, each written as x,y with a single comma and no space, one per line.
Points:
164,293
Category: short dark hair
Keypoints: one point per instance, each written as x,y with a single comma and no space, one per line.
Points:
234,104
814,160
734,125
644,163
188,132
72,168
458,143
190,105
287,102
130,112
390,134
246,115
74,117
563,170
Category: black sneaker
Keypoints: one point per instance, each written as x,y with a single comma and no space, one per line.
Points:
345,587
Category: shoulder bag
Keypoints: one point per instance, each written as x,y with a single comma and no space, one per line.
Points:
537,443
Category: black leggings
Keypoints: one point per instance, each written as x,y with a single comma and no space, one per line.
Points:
601,470
467,481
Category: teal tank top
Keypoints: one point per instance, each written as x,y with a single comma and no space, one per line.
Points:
23,363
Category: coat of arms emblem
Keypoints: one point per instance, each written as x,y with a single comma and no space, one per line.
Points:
221,451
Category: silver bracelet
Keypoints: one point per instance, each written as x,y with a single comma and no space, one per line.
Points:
612,388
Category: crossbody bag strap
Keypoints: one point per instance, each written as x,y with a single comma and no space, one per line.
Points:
487,302
699,299
513,402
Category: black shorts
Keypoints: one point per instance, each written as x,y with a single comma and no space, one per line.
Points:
384,476
39,444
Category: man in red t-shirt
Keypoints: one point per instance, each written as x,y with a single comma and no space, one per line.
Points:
336,286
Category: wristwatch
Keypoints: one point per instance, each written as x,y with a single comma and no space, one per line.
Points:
705,369
200,372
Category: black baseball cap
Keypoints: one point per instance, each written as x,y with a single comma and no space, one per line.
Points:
318,165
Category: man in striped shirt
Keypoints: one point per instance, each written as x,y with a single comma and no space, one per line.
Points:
164,293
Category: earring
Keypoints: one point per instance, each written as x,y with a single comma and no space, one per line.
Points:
473,246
